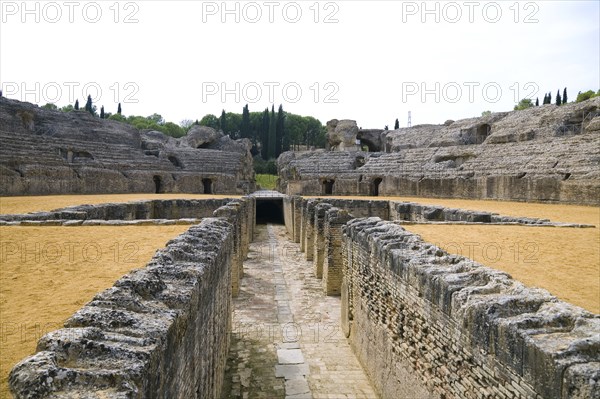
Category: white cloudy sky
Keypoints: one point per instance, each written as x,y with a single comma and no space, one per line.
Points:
372,61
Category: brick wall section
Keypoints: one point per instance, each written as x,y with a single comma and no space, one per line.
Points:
335,219
297,206
308,225
319,238
288,215
303,224
233,212
160,331
420,318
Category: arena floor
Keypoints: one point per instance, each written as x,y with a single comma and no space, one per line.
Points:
47,273
565,261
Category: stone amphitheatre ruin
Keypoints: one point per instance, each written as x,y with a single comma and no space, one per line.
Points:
417,321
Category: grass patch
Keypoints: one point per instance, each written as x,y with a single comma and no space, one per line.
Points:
267,182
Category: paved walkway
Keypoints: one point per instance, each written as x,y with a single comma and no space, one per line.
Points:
286,340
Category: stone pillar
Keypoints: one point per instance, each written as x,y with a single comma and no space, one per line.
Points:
303,225
333,267
297,206
319,237
307,222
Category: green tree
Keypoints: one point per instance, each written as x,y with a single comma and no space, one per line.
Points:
524,104
222,121
537,102
117,117
272,134
102,112
172,129
88,105
186,124
67,108
586,95
245,131
210,120
265,125
280,133
295,128
119,109
558,99
156,118
76,105
397,124
486,113
564,97
50,106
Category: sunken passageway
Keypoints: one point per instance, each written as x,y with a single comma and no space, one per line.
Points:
286,336
269,210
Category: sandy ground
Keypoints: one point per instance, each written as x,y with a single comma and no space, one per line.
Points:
47,273
9,205
42,286
565,261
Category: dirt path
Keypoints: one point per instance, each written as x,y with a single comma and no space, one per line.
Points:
286,339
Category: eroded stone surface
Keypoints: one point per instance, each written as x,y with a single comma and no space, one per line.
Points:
53,152
529,155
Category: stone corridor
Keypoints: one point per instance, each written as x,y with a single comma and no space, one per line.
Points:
286,339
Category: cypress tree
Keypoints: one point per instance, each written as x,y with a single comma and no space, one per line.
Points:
537,102
222,121
397,125
88,105
264,135
564,98
245,128
102,112
119,109
272,134
76,106
279,132
558,99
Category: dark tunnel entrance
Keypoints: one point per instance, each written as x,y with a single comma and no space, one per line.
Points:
157,184
269,211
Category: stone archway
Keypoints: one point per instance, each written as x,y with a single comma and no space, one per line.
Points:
158,187
483,131
328,186
207,186
374,192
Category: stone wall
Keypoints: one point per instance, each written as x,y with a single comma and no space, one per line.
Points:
335,219
428,324
137,210
528,155
160,331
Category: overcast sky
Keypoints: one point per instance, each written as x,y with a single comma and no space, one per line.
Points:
371,61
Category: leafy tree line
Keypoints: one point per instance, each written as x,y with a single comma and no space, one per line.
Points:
558,99
272,132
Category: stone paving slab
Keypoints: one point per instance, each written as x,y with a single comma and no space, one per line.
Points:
286,338
290,356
